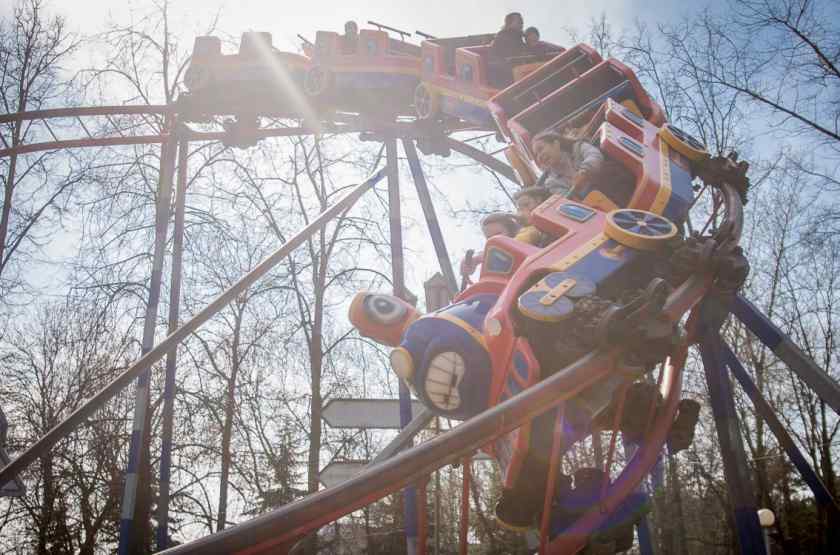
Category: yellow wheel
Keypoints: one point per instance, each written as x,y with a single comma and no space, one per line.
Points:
683,143
426,102
639,229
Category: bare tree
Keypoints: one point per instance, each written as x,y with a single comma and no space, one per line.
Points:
241,339
33,46
52,363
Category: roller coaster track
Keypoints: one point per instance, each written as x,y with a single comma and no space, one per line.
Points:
277,530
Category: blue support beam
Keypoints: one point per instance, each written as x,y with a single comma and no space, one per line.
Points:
712,312
430,215
781,345
136,491
736,471
821,493
168,414
648,487
398,281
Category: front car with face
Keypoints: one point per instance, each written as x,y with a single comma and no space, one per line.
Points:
441,356
444,359
383,318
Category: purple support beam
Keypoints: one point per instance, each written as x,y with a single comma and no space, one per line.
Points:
486,160
647,487
135,501
398,281
762,407
713,311
782,346
171,356
430,215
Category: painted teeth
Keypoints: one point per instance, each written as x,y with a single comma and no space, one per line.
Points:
442,379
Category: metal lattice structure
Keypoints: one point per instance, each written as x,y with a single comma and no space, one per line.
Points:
396,467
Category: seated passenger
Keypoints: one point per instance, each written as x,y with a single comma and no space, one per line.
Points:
508,43
575,166
350,39
526,201
533,44
497,223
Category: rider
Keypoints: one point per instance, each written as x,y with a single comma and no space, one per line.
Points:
350,39
533,43
573,166
508,43
497,223
526,201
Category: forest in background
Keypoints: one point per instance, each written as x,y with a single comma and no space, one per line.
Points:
761,77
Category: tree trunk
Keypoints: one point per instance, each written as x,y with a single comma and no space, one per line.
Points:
47,505
316,362
679,535
227,429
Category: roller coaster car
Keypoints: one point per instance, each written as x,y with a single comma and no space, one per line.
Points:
597,284
540,83
456,78
376,76
534,105
257,81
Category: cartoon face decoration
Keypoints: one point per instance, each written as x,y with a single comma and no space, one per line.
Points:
382,318
443,359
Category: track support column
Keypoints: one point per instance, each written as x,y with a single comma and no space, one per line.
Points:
398,279
712,312
171,356
821,493
431,217
782,346
136,495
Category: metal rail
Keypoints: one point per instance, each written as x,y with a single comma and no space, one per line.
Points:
341,124
83,111
69,424
491,162
276,530
286,523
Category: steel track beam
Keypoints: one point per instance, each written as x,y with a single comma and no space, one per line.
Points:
74,420
486,160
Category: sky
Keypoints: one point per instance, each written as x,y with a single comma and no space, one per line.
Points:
285,19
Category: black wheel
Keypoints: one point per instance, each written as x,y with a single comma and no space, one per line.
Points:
317,81
426,102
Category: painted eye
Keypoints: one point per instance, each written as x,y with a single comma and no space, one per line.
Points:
383,309
442,379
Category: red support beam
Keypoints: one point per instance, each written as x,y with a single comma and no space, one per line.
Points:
83,143
83,111
553,469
